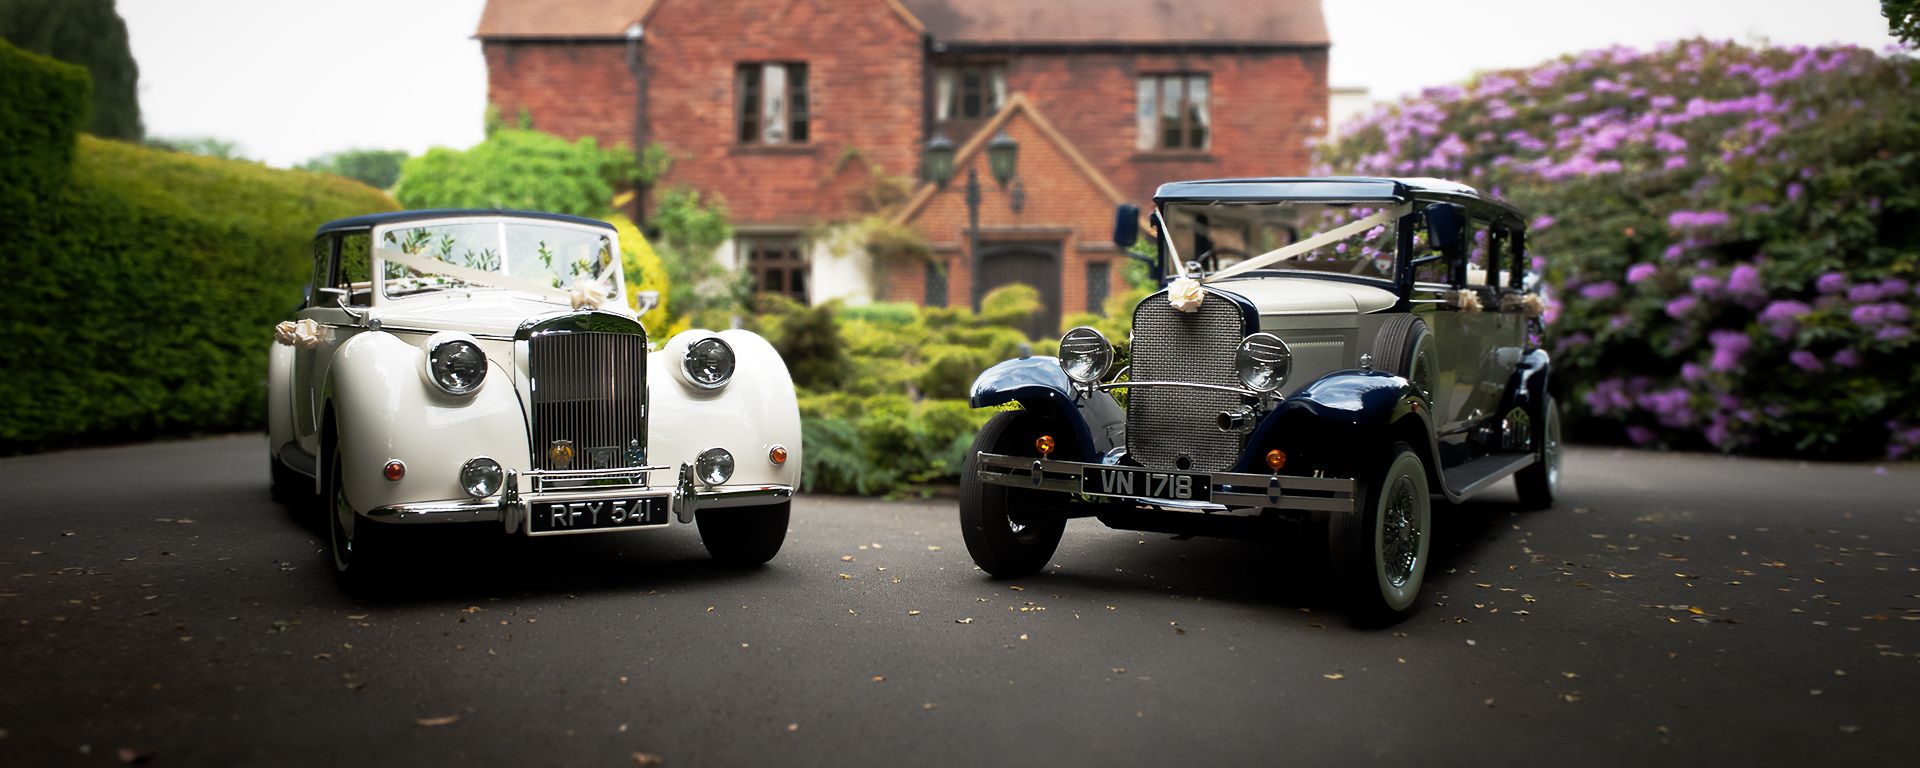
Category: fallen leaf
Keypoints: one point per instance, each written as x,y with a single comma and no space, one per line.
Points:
846,576
1119,670
913,613
642,758
1570,697
791,727
879,678
1849,729
1334,676
931,548
1017,588
963,621
928,706
435,722
1023,636
357,617
846,558
132,756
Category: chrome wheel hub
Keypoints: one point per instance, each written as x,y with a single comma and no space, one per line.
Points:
1400,532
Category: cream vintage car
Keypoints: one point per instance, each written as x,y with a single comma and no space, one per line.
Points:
484,367
1339,351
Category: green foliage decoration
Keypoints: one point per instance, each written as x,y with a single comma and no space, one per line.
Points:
91,34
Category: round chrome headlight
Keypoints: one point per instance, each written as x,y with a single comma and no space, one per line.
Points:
709,363
1085,355
480,477
1263,362
456,365
715,466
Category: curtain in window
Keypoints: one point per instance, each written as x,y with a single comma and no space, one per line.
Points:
773,94
1146,117
1199,126
999,78
943,95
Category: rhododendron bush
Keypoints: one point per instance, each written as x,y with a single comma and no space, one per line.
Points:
1731,234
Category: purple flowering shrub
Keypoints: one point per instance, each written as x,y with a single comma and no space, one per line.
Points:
1732,235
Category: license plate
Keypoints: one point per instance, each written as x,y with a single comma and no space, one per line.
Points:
598,515
1142,484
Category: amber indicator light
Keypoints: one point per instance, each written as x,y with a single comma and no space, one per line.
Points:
395,470
1276,459
1044,444
778,455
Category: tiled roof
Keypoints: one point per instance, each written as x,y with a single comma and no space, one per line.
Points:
1136,22
982,22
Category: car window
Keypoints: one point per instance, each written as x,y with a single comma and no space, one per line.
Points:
1430,266
483,254
1480,254
322,271
356,268
1213,236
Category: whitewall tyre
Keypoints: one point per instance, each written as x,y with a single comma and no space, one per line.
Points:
1539,483
1380,550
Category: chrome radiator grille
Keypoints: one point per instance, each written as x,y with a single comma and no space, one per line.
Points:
1167,423
590,389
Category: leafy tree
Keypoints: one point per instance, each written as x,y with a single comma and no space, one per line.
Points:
377,168
518,168
91,34
1903,19
689,231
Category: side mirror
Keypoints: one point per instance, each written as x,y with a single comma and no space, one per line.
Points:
646,301
1446,227
1126,225
339,294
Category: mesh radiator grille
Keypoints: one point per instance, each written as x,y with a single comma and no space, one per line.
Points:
1166,423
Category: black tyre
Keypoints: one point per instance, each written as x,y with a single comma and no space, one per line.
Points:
1539,483
1379,551
1008,531
744,536
1404,348
357,545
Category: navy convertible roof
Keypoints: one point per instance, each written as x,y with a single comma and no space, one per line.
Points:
1331,189
372,220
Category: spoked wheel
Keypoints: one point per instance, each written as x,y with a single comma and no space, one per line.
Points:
1380,549
1008,531
1539,482
746,536
354,543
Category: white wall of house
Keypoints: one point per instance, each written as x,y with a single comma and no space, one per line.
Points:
838,276
1344,105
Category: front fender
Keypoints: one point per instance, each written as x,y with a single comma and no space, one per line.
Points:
1097,423
1334,419
383,409
279,397
754,412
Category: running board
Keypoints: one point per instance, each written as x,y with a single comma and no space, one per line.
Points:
1474,476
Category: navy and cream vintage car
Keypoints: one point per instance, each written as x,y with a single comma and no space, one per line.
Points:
485,367
1342,350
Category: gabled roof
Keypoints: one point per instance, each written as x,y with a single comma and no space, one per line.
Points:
981,23
1123,22
1016,105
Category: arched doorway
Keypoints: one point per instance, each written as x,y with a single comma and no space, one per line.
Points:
1036,264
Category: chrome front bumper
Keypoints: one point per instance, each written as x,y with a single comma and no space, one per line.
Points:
522,490
1228,490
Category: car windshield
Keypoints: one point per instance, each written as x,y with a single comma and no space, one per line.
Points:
519,255
1213,236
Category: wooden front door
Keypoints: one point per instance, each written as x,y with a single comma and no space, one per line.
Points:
1035,264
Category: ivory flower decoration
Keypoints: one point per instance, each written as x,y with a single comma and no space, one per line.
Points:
1467,301
306,333
1531,304
1185,294
588,294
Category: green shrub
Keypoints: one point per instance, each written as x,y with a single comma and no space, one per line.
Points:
885,444
1733,235
142,296
521,169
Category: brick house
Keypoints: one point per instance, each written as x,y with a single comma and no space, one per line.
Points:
793,111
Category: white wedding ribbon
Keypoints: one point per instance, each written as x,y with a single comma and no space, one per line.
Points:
577,298
1328,237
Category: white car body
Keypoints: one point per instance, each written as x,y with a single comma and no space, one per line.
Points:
351,377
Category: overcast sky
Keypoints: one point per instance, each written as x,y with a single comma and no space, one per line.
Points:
291,79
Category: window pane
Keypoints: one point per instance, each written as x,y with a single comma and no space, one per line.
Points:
799,283
1197,113
1170,112
773,278
773,103
1145,120
1097,279
797,110
972,89
747,106
936,285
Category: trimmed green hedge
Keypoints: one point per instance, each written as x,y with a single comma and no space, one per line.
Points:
142,292
42,103
885,444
